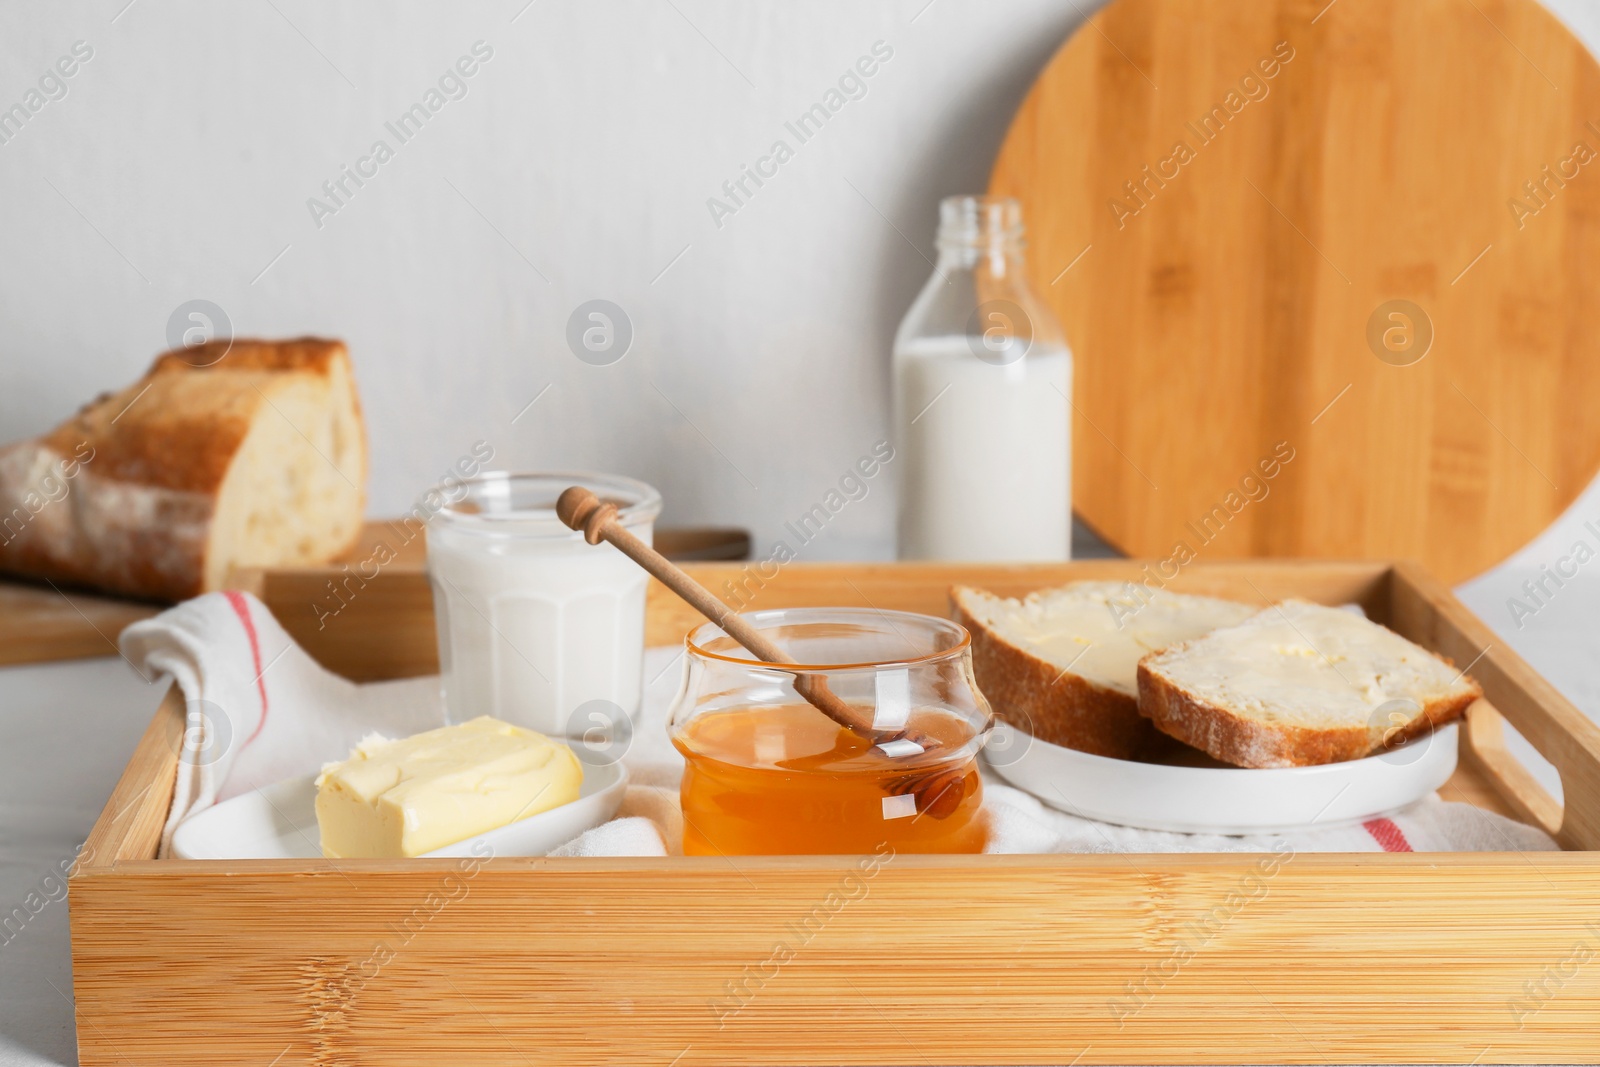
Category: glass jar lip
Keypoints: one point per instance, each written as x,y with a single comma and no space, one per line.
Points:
512,512
694,640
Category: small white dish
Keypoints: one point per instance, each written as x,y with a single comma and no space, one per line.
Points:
1222,800
279,822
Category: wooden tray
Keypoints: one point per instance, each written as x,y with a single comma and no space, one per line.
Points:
1347,958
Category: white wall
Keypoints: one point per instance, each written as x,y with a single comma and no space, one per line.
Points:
591,141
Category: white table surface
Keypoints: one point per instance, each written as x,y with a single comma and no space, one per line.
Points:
68,730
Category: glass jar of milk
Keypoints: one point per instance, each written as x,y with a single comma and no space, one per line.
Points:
982,398
537,627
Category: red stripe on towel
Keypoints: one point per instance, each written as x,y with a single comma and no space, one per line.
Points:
241,608
1387,834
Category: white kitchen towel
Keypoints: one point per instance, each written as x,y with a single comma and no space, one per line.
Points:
631,836
260,710
1020,823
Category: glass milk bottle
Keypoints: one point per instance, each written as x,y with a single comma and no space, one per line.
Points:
982,397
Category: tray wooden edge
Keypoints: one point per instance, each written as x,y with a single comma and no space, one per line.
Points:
1426,611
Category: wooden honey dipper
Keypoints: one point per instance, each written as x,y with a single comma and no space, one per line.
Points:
938,792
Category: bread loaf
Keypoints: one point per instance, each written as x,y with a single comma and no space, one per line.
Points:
1061,665
249,453
1300,684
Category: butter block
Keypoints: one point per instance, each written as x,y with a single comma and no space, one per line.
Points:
409,796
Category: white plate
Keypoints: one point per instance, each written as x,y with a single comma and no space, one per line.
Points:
279,822
1222,800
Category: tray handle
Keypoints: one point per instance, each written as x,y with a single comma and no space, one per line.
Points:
1485,750
1424,610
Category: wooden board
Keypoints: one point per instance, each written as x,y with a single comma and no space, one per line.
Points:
1219,303
1389,958
39,623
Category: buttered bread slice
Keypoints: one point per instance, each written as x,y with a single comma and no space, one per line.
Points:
1300,684
1061,664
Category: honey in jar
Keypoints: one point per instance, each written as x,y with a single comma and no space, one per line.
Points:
766,773
788,780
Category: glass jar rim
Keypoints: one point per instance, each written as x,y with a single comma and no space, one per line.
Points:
696,639
637,502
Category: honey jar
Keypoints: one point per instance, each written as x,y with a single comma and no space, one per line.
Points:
767,773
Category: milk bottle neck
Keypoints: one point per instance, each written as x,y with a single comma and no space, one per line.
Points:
981,233
999,259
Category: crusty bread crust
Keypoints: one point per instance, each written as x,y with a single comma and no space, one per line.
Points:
1250,743
1043,701
146,467
179,426
315,354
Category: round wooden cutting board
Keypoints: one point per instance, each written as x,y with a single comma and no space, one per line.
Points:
1331,273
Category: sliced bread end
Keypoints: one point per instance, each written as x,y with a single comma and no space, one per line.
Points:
1046,702
1245,738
